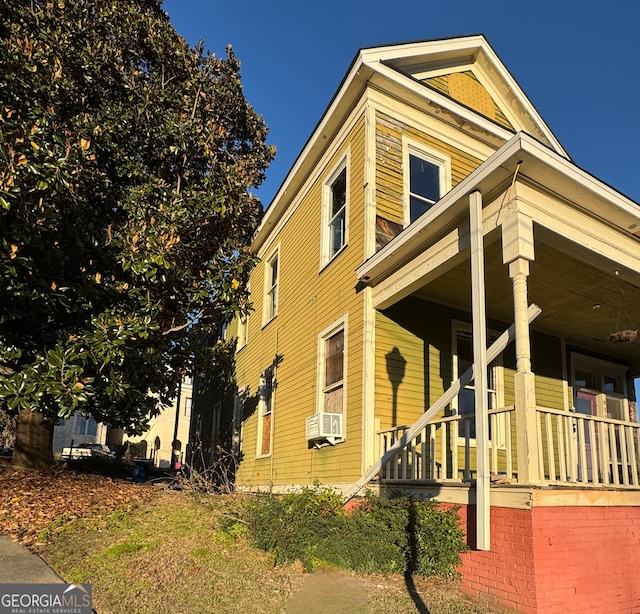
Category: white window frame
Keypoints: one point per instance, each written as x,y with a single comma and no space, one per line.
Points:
324,335
600,369
187,406
243,330
328,219
411,147
265,409
271,287
498,378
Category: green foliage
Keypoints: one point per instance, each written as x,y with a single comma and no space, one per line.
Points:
385,535
126,157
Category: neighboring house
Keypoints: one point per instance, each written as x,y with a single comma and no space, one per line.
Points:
428,209
157,440
77,429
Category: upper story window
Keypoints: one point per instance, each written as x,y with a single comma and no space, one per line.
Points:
272,276
334,213
427,179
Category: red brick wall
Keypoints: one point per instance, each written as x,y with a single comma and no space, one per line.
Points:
557,559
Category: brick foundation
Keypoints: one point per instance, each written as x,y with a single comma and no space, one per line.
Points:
557,559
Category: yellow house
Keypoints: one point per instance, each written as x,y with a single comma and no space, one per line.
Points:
433,221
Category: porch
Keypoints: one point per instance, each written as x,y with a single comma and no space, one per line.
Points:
573,449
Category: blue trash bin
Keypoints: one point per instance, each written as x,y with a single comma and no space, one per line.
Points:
140,470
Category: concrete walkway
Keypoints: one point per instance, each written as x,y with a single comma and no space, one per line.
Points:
326,590
20,566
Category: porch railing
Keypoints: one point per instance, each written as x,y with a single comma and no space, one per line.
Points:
573,448
444,450
584,449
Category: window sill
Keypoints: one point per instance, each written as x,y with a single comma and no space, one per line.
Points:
263,456
265,324
324,265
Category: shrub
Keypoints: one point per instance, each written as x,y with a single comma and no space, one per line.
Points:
384,534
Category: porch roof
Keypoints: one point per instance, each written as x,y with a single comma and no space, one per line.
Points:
540,167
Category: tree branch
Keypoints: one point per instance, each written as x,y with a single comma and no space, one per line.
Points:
175,329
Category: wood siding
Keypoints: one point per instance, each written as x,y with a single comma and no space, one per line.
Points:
389,160
441,84
310,300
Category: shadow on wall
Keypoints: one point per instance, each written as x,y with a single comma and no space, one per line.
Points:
396,367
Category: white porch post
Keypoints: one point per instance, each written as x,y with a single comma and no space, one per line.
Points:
518,251
479,319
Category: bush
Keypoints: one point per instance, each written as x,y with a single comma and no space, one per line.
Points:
384,534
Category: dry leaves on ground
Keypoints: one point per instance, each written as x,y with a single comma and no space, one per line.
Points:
32,504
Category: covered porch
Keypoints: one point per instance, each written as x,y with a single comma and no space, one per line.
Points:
526,229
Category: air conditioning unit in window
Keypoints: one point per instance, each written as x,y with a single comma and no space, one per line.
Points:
324,426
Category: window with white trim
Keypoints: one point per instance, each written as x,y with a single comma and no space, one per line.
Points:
265,411
427,179
187,406
332,368
334,213
243,330
465,403
606,381
271,278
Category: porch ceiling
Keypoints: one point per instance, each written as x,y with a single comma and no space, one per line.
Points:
579,302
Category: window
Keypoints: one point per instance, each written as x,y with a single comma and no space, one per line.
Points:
465,404
599,387
272,274
187,406
332,368
427,180
85,425
335,213
243,330
265,405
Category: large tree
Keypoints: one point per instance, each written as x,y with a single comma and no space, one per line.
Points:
126,160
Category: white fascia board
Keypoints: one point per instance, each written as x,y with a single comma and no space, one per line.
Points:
580,177
348,92
521,96
444,48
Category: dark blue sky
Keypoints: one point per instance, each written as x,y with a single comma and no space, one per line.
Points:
577,61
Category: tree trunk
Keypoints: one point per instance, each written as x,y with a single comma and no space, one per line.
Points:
33,449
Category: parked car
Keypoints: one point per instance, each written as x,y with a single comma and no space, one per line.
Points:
84,450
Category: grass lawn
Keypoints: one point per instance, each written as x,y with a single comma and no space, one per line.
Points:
150,550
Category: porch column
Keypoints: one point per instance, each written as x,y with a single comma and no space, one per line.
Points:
478,300
517,252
